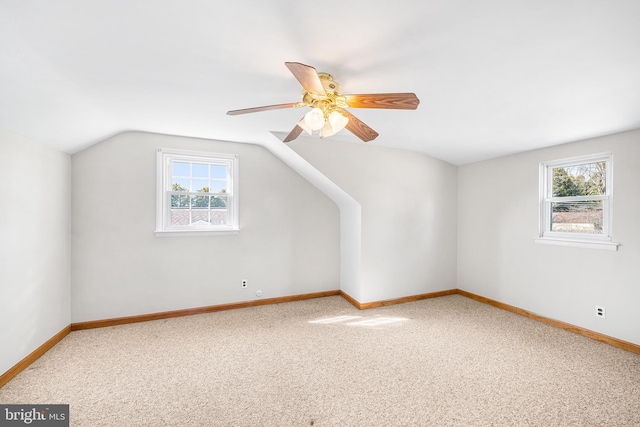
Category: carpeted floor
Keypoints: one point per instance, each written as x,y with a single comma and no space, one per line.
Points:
448,361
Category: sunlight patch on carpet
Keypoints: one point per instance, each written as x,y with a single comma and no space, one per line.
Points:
378,321
362,321
335,319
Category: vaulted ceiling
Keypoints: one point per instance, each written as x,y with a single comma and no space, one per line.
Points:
494,77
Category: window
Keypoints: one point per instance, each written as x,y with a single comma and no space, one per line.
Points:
197,193
575,201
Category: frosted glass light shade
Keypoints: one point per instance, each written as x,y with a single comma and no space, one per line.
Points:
314,119
304,126
338,121
335,123
327,130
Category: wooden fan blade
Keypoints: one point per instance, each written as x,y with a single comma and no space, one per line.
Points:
265,108
397,101
307,76
358,127
295,132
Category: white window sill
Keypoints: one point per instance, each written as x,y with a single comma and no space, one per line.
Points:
189,233
605,246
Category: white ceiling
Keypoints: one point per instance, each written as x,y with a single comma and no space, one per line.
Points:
494,77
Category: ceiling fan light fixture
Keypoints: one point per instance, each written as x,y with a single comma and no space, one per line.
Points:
314,119
328,114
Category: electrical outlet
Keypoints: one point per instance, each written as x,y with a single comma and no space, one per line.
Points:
600,312
244,283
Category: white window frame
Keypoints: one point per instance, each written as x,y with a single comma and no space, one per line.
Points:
594,241
165,157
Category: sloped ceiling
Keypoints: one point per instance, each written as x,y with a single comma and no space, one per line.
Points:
494,77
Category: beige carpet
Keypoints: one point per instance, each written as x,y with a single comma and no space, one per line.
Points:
449,361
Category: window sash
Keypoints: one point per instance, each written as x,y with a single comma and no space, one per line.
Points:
548,215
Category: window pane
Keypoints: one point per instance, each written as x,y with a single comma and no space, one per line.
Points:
200,170
200,217
200,202
180,217
180,184
180,169
178,201
219,217
218,202
580,180
219,171
577,217
201,185
218,187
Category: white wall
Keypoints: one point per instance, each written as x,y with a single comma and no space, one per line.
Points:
497,257
408,208
35,212
289,242
350,212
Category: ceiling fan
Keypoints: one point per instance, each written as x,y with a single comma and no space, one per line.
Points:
328,114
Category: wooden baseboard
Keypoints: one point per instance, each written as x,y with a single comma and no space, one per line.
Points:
351,300
374,304
91,324
24,363
615,342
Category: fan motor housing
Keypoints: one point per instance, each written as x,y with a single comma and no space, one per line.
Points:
330,85
332,97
